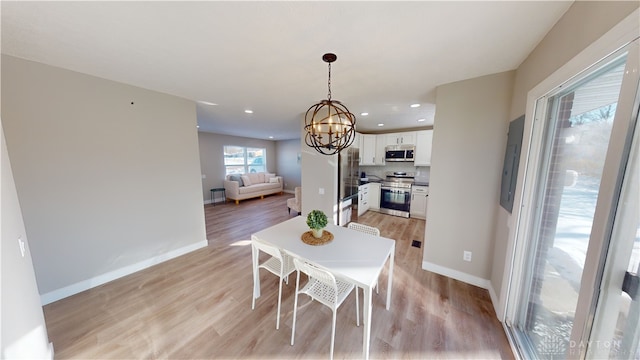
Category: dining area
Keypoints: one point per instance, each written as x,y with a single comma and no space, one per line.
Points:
199,306
352,258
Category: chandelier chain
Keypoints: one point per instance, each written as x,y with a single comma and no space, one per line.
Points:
329,83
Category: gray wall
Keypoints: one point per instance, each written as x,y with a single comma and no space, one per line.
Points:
290,163
319,172
106,187
468,147
581,25
23,332
212,158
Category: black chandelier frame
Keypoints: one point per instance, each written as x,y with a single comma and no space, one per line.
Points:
329,125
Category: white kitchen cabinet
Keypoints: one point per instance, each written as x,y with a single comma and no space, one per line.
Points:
374,196
404,138
363,199
380,145
367,149
422,155
419,197
407,138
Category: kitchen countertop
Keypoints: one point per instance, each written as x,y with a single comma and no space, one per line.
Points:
349,197
362,182
415,183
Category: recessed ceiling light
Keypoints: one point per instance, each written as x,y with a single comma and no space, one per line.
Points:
249,111
208,103
364,113
422,120
197,126
381,124
270,137
415,105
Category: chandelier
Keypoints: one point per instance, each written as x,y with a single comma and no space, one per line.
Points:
330,127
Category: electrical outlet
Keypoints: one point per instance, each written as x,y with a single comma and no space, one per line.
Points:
321,191
466,256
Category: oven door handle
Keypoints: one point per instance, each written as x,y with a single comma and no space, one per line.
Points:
395,188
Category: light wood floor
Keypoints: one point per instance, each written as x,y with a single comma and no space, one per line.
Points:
199,305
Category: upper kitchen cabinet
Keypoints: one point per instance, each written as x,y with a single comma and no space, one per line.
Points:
422,155
405,138
372,149
367,149
380,145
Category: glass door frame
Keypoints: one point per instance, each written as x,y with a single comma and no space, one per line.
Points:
611,253
620,36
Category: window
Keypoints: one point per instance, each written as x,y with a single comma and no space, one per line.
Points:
242,160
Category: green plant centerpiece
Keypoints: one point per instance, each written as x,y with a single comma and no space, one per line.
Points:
317,220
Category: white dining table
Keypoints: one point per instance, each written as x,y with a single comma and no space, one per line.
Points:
352,255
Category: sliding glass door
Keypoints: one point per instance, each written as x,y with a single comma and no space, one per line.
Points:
573,185
616,332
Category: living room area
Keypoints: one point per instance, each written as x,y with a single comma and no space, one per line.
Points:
280,158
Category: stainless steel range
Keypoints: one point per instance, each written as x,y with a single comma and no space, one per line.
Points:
395,194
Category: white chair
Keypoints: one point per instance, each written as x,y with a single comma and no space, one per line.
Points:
367,230
295,202
326,289
364,228
279,264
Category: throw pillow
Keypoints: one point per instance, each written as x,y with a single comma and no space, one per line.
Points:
236,178
246,180
268,177
255,178
273,180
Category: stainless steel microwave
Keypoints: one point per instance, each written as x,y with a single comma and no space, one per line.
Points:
399,153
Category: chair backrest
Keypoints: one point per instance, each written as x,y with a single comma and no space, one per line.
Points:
364,228
298,193
317,273
264,247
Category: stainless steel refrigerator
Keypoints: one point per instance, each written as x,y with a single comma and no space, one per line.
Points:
348,180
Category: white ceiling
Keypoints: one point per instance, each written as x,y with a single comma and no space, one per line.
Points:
266,56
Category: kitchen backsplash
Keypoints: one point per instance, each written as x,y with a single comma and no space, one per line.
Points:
422,172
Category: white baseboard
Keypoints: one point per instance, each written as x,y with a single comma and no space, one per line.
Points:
455,274
493,295
80,286
495,300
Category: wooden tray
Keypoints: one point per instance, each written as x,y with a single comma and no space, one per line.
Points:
309,239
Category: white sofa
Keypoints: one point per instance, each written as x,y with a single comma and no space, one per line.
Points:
246,186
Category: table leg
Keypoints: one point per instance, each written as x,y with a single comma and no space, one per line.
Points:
391,260
366,308
256,274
